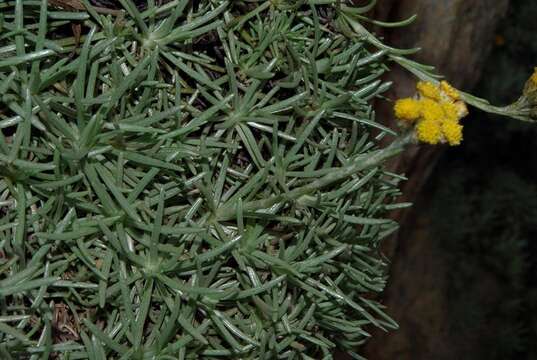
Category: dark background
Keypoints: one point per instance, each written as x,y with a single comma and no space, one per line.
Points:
463,282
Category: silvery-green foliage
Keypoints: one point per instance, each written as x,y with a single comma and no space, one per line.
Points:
195,180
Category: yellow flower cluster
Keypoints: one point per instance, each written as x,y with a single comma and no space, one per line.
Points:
435,112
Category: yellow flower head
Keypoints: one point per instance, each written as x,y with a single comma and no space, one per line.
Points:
451,111
449,90
429,132
407,109
429,90
431,110
437,111
452,131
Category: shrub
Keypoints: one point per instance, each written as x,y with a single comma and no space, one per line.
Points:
195,180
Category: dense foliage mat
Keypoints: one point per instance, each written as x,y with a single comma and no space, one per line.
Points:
192,179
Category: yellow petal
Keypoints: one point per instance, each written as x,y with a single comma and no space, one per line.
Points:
451,111
452,131
429,132
450,91
407,109
431,110
429,90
